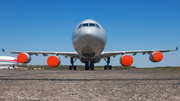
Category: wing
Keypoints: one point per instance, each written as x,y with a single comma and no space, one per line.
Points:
66,54
109,54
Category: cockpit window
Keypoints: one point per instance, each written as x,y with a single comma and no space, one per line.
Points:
91,24
97,26
88,24
80,26
85,24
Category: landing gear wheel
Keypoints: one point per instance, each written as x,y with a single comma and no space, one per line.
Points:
74,67
86,66
92,66
105,67
70,67
110,67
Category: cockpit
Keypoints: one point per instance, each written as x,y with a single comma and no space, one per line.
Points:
89,25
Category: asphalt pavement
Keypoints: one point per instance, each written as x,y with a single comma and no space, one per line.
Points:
97,85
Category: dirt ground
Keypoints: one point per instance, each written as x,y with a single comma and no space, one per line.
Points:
97,85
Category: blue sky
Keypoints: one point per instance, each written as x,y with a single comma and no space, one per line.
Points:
47,25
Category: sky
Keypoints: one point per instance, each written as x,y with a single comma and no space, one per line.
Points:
47,25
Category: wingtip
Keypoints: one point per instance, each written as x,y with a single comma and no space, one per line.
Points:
3,50
176,48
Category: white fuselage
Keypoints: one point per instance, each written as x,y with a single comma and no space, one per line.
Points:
89,40
8,61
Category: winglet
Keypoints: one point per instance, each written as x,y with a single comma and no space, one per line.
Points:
177,48
3,50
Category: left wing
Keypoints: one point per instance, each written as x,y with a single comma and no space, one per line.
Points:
109,54
44,53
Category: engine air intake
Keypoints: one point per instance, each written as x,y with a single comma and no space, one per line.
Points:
156,56
53,61
24,58
126,60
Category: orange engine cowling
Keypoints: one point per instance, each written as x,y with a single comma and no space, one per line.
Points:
24,58
156,56
126,60
53,61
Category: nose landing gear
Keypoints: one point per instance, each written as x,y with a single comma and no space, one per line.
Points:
89,64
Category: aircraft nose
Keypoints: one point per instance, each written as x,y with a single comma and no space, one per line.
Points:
91,33
88,32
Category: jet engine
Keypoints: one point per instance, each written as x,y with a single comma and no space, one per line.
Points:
53,61
24,58
156,56
126,60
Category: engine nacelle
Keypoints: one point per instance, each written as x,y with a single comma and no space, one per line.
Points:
126,60
156,56
53,61
24,58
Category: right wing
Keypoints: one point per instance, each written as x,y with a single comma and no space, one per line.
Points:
109,54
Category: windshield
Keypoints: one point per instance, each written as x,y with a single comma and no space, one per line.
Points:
88,25
85,24
91,24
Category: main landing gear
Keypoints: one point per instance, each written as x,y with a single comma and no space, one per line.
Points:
107,66
72,62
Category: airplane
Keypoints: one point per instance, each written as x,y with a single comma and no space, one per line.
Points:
8,62
89,40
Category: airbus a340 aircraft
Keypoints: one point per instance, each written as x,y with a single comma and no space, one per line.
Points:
89,40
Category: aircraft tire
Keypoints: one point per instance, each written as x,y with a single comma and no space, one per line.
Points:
70,67
105,67
92,66
86,66
110,67
74,67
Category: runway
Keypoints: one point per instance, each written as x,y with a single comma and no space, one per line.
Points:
43,85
